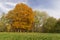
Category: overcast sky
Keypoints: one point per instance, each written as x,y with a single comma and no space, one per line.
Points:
52,7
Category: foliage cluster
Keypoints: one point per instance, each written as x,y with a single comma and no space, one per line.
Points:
24,19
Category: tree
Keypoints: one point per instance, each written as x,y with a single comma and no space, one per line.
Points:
49,26
57,26
40,19
3,23
21,17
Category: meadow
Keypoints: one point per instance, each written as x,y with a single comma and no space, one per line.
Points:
29,36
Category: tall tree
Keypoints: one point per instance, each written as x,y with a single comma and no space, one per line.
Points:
40,19
21,17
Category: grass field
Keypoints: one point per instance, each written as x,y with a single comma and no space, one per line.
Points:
29,36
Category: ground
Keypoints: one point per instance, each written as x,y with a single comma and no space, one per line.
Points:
29,36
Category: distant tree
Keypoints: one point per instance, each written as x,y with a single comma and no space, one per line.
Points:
21,17
40,19
3,23
49,26
57,26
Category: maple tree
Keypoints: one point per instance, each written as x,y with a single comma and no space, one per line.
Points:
21,17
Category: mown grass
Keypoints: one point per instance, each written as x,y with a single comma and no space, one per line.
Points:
29,36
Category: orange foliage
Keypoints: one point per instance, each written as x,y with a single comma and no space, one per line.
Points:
21,16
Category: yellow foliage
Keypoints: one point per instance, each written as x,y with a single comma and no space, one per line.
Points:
22,16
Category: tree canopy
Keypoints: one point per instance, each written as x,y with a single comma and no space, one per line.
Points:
21,16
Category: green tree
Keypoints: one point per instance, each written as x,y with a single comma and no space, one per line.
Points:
3,23
40,19
49,26
57,26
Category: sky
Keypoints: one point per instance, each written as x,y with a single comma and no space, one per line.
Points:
52,7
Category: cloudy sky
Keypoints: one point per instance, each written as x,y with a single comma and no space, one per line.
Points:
52,7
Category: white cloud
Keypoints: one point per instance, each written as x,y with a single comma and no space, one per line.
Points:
4,8
55,11
51,12
10,3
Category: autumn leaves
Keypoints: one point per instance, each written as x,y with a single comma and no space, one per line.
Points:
21,17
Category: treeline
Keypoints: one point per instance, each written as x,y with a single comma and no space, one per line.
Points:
22,18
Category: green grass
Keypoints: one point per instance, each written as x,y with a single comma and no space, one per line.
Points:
29,36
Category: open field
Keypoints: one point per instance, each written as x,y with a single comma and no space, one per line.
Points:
29,36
